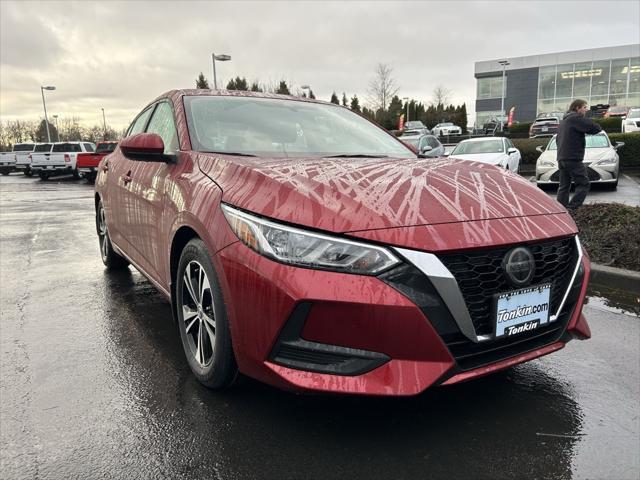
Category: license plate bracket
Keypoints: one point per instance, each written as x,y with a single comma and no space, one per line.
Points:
521,310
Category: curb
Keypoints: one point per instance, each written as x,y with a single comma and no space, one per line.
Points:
619,278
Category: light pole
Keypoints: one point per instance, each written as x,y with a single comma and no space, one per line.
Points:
306,87
104,125
406,99
46,120
220,58
504,64
55,119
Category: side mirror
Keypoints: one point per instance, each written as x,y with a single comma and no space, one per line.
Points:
512,150
145,147
618,145
540,149
424,151
446,153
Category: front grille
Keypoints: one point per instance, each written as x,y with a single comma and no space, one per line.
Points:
480,276
593,175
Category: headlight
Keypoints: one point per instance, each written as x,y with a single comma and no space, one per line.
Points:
607,161
299,247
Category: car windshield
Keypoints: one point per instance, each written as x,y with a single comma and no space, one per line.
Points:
25,147
634,113
284,128
407,133
446,124
413,141
66,147
482,146
617,109
105,147
591,141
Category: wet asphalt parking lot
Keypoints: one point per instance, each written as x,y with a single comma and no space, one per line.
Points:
94,384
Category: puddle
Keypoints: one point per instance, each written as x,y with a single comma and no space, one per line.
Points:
613,300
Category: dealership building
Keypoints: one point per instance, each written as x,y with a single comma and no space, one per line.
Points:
549,82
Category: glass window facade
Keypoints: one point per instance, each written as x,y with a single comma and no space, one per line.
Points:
613,82
489,87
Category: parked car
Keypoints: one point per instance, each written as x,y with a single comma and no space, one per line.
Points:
23,153
498,151
87,163
60,160
448,128
597,111
616,111
40,150
427,146
600,157
7,162
305,247
631,123
492,125
545,124
415,125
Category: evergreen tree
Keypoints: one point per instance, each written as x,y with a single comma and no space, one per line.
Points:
202,82
394,112
241,84
41,132
355,104
344,99
311,95
283,89
231,85
255,87
334,98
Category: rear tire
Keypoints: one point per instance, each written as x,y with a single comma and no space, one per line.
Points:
28,172
76,174
202,318
111,259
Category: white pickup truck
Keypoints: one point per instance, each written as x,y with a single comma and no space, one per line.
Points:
9,160
61,159
23,153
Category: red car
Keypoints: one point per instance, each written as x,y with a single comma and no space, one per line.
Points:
87,163
304,246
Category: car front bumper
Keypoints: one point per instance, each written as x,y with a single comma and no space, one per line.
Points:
312,330
597,174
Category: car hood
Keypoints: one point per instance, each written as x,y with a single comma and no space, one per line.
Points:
490,158
348,195
591,155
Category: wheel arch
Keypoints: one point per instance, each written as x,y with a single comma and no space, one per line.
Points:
183,235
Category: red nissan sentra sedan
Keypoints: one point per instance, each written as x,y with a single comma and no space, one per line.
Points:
306,247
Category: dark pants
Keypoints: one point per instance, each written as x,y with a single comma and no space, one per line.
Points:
572,170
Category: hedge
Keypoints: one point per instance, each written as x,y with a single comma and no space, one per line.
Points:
610,124
629,154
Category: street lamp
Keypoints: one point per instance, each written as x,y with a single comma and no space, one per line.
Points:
504,64
104,125
306,87
55,119
406,100
220,58
46,120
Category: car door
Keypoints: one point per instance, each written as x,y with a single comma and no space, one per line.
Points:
514,158
147,190
115,173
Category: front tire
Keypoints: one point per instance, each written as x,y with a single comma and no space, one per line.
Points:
111,259
202,318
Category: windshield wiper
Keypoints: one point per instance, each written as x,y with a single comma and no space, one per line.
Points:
239,154
355,155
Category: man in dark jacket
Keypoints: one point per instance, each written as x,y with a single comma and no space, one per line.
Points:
570,140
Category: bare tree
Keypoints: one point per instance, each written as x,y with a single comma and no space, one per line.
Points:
382,87
441,96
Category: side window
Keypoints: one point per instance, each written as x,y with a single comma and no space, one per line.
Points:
88,147
424,141
434,142
139,123
162,123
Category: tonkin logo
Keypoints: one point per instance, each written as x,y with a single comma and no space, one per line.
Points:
519,266
525,327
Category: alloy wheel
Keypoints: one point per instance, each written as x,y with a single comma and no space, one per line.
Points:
102,234
198,313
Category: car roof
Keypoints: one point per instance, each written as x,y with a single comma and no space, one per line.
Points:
481,139
236,93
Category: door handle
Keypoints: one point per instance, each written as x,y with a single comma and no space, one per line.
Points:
126,178
105,166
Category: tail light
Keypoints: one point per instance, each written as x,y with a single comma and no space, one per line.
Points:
67,158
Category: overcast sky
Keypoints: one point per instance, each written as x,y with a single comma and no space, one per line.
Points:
120,55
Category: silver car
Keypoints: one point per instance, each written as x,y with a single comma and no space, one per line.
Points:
600,157
427,146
